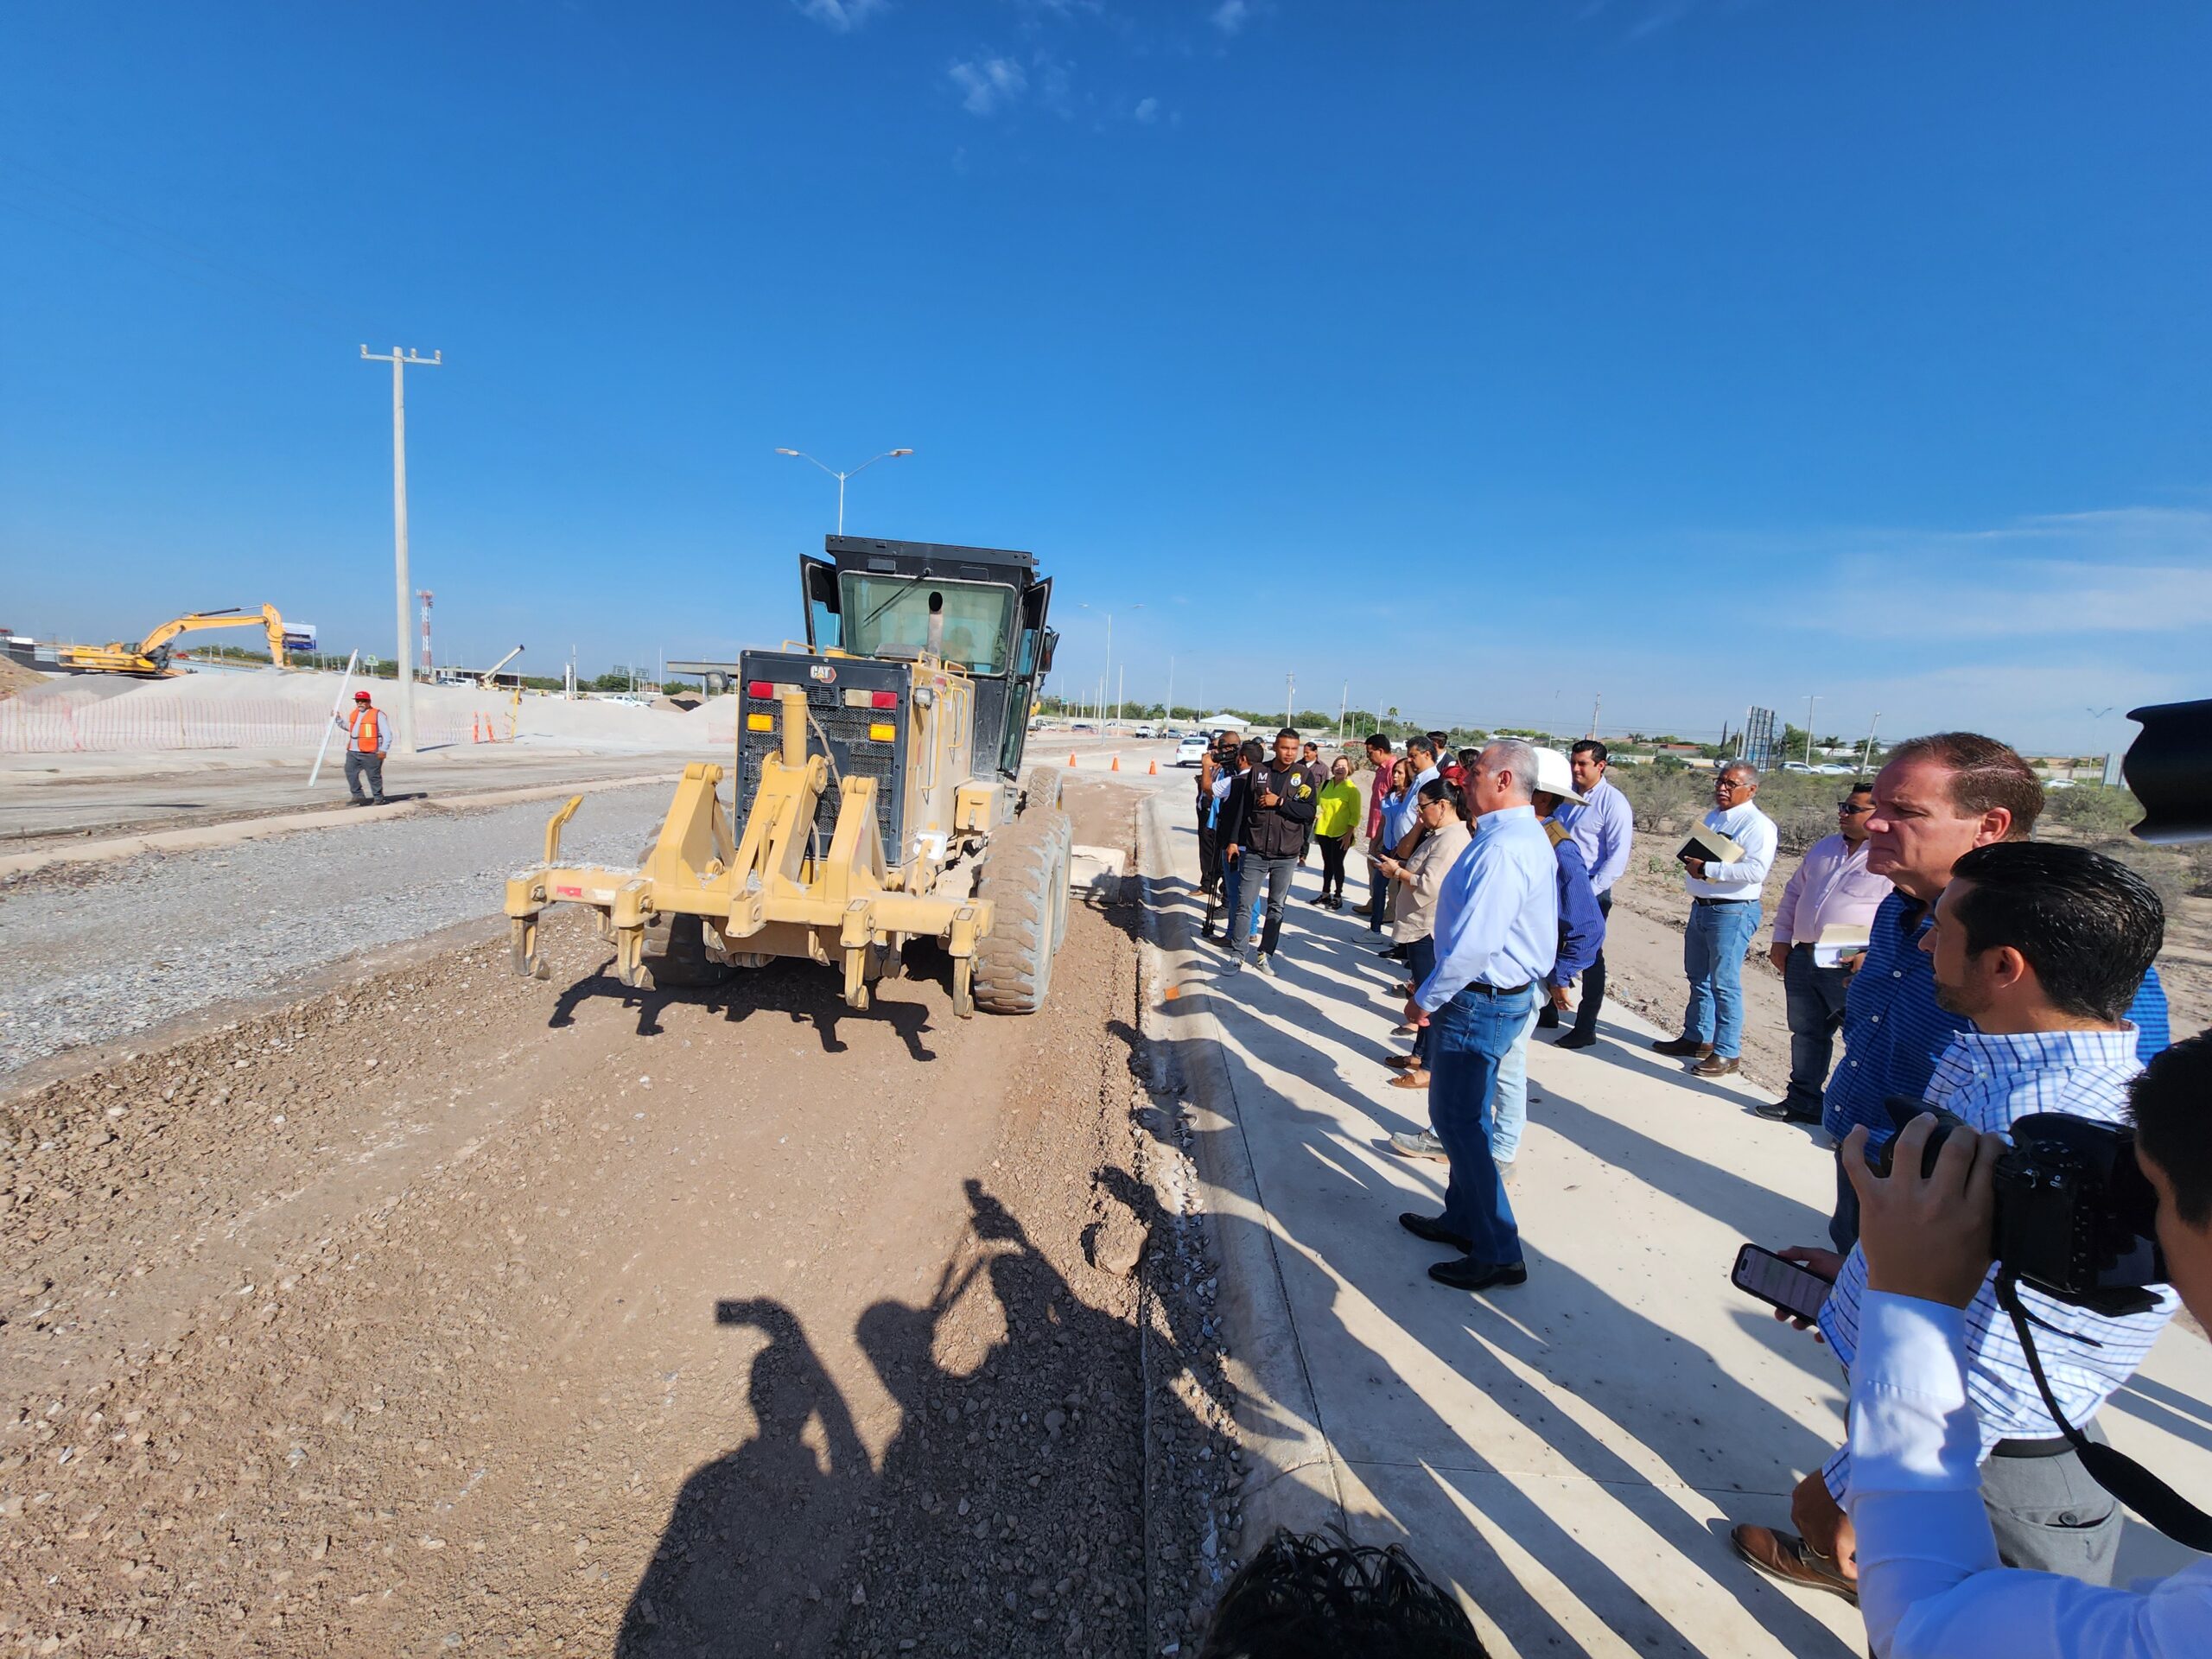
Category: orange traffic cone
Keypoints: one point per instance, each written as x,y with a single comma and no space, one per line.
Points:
476,729
1070,759
1117,766
1152,771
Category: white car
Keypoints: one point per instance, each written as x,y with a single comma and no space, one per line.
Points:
1191,750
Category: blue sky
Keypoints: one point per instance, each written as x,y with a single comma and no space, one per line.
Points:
1490,357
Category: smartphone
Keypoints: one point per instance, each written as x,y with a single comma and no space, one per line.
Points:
1779,1283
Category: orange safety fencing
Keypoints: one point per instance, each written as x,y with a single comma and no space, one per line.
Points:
126,723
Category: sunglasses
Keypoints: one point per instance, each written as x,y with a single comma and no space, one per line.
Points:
1853,809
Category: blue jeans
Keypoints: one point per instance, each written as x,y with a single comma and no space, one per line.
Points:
1473,1035
1712,957
1421,962
1232,888
1815,1015
1511,1116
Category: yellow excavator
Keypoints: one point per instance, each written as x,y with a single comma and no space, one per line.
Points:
149,659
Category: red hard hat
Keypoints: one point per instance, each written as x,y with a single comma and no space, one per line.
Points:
360,697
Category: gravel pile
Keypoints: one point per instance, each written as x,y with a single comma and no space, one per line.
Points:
90,953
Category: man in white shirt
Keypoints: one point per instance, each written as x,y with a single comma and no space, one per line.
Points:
1930,1581
1723,917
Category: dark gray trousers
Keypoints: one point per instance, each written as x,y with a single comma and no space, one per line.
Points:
358,766
2049,1517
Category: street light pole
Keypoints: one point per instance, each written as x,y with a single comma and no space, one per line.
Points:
855,472
1809,702
405,686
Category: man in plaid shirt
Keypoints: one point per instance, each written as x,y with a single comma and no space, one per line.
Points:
2043,948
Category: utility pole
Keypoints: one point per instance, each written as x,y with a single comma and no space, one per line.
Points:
1120,686
405,687
429,662
1596,703
1809,702
1866,753
1289,692
1171,690
1343,703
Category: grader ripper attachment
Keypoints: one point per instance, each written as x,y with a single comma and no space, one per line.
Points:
876,779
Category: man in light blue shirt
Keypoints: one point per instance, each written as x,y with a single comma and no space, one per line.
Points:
1496,935
1604,828
1931,1583
1404,819
1723,915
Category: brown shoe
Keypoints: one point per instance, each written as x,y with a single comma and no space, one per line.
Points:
1410,1080
1713,1065
1683,1048
1787,1559
1402,1062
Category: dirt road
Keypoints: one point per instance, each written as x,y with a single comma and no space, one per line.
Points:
450,1312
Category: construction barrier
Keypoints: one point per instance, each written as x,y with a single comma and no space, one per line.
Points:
129,723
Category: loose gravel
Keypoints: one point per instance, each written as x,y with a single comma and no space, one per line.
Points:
89,954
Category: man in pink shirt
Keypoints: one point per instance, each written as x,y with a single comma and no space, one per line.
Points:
1831,887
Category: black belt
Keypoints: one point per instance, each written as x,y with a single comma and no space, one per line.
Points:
1720,901
1481,989
2056,1446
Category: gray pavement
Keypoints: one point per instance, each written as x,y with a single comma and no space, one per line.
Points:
1569,1453
45,796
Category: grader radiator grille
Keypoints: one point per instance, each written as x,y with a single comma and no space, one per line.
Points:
852,752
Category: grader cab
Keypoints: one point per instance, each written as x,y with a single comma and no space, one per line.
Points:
875,796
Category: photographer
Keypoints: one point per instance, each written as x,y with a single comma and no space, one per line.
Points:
1930,1581
2042,947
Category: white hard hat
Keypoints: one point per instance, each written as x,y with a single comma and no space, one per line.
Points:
1555,777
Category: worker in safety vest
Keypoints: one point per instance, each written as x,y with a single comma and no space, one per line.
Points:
368,739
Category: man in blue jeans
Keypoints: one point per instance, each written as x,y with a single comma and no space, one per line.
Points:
1496,935
1723,915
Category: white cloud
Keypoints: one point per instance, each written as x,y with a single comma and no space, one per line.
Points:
986,84
1147,111
2130,571
842,15
1231,16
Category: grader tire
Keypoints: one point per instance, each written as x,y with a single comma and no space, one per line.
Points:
1025,878
1040,790
676,955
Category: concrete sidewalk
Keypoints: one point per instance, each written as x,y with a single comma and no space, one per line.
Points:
1572,1452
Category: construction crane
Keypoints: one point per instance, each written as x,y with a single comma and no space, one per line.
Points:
489,679
150,657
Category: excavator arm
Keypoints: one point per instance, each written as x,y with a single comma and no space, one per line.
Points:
271,623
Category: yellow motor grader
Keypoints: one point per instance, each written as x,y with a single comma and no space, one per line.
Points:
876,783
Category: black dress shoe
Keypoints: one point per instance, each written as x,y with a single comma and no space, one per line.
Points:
1433,1229
1682,1048
1395,953
1783,1111
1576,1040
1548,1020
1467,1273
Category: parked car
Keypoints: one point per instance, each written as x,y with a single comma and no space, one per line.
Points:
1836,769
1191,750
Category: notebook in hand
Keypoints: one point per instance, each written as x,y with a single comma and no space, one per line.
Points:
1838,942
1711,846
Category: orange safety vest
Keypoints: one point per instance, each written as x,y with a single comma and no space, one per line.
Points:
365,736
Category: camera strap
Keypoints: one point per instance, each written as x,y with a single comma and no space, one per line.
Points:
2125,1479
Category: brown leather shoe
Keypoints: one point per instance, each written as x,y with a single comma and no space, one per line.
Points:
1787,1559
1683,1048
1410,1080
1713,1066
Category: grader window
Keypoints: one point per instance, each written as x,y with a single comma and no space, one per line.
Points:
889,616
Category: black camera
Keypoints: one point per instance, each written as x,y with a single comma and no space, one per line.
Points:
2075,1216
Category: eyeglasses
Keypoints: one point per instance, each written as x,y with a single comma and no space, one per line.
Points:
1853,809
1730,786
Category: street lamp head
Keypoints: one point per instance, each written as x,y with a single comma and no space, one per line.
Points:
902,451
782,451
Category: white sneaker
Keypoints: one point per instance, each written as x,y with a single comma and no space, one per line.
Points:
1234,965
1266,964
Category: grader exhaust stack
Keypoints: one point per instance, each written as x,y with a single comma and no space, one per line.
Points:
878,797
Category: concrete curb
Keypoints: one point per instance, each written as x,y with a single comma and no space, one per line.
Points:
204,835
1292,1473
